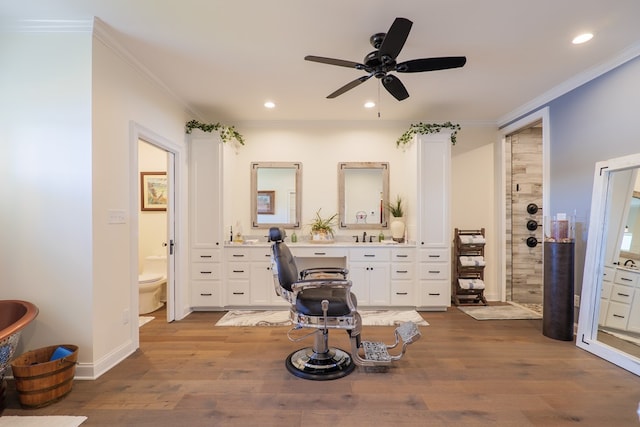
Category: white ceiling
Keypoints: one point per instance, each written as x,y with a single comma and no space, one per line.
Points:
224,59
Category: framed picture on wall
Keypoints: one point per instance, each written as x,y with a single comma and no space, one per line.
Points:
266,202
153,191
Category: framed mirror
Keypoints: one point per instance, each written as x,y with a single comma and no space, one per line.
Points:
609,322
363,194
276,189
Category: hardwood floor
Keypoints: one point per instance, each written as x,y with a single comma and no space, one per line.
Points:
462,372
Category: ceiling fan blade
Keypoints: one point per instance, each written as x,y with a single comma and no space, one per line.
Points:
395,38
331,61
395,87
349,86
431,64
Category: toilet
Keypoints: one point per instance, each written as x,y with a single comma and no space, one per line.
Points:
151,283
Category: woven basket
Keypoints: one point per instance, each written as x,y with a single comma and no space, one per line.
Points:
41,382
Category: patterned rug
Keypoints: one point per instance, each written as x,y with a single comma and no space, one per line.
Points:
509,311
281,318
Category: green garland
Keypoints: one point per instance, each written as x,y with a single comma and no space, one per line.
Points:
424,128
227,133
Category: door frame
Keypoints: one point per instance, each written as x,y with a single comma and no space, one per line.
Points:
174,230
524,122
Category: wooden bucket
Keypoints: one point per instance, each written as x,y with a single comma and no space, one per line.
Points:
41,382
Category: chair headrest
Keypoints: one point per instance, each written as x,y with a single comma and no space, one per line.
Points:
277,234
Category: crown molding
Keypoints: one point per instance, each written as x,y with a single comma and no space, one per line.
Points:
48,26
578,80
103,33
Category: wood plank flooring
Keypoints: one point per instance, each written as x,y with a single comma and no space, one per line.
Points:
462,372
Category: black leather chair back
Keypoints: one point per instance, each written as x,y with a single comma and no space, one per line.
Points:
285,262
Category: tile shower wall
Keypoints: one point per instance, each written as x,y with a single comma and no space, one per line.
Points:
524,186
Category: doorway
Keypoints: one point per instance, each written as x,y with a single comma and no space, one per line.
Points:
165,158
525,197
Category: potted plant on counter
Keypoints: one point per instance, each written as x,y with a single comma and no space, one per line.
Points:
397,219
322,228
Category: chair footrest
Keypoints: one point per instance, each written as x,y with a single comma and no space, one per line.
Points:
376,351
408,331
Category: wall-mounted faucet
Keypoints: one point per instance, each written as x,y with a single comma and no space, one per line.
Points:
629,261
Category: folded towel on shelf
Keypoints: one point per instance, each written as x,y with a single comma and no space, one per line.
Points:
471,283
472,261
471,239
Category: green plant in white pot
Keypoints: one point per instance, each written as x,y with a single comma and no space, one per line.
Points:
322,228
397,226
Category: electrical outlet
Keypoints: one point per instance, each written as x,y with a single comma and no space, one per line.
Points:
576,300
125,316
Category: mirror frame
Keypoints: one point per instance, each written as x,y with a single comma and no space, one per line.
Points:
587,335
297,166
384,167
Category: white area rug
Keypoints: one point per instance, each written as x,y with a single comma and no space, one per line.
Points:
281,318
143,320
511,311
41,421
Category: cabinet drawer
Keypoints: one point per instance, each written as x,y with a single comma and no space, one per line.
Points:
434,255
369,254
322,252
622,293
434,271
402,294
617,315
403,254
238,293
205,255
205,294
261,254
608,273
237,254
435,295
205,271
238,270
402,270
628,278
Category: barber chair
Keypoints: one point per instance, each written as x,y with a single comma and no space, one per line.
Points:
321,299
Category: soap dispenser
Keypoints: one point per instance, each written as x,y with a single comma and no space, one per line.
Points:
380,236
294,237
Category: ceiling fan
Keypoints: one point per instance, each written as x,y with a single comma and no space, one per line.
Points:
383,60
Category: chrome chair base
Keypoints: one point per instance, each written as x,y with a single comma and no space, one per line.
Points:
311,365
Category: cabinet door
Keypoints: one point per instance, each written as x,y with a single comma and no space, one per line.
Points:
379,284
358,274
204,191
434,158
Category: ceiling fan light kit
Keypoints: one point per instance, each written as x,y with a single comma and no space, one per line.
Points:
382,61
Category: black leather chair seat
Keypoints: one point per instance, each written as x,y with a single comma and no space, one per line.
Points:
309,302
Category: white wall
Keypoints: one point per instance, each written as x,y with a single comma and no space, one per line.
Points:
320,146
122,95
45,175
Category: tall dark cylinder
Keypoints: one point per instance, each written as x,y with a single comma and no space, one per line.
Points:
557,310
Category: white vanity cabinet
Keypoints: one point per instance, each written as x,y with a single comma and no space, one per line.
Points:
205,171
403,262
434,224
237,276
605,292
369,274
624,298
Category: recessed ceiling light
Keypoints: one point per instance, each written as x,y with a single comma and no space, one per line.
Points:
369,104
582,38
270,104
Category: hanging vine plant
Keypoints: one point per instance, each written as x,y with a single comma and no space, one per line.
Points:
425,128
227,133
